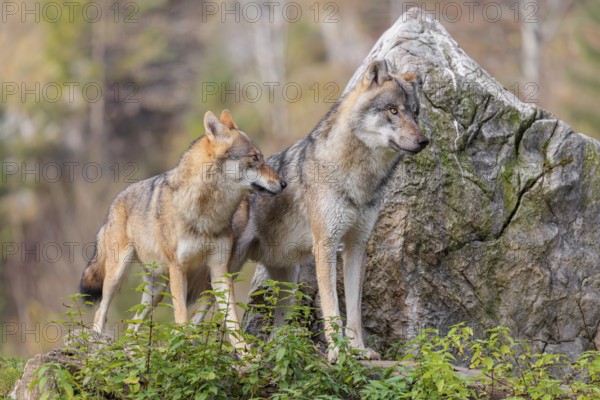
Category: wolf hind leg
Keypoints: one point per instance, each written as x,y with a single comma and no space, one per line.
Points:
116,268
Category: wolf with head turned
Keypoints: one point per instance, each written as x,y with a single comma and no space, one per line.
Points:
182,221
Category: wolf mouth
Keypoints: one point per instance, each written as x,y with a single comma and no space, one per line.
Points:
399,149
261,189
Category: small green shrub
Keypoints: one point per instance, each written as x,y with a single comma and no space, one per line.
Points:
11,370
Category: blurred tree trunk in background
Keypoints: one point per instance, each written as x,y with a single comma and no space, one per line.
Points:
539,23
269,44
588,83
345,43
531,40
97,108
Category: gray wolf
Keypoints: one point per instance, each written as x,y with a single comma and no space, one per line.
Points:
335,179
181,220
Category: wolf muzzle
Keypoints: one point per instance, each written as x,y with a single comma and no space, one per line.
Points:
270,189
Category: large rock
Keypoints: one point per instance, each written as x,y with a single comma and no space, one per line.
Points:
496,223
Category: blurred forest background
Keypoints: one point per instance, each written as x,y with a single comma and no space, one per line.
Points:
98,94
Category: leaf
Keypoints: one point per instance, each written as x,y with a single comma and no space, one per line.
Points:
42,383
131,379
137,307
69,389
280,354
440,385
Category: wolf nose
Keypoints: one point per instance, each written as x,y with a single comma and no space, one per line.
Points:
423,142
283,184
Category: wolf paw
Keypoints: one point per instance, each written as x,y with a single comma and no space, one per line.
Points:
332,355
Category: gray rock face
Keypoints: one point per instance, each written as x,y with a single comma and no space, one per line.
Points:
497,222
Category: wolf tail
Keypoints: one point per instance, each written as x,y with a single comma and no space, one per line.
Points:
92,279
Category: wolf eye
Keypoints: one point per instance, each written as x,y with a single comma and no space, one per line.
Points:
254,157
393,110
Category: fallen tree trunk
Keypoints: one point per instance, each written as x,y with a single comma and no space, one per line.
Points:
497,222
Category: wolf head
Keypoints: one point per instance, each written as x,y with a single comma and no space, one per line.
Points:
240,160
386,110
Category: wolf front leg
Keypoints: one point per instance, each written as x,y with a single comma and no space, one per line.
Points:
219,259
324,250
178,282
355,243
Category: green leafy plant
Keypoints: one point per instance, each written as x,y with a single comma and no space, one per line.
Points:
189,361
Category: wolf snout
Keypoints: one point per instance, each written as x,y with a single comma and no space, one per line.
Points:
422,142
270,188
281,184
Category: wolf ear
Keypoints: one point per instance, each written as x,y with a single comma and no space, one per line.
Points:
213,126
376,73
227,120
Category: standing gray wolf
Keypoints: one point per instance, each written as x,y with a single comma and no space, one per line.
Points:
335,177
181,220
